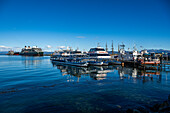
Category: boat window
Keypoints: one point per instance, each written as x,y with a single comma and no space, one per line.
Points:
99,54
91,49
103,55
99,49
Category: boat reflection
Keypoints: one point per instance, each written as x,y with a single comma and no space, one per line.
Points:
30,61
95,72
134,73
101,72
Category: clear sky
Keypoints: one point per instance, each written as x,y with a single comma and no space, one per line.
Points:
84,23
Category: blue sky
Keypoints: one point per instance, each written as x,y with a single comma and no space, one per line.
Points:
84,23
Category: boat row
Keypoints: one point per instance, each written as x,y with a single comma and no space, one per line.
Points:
95,57
142,57
98,56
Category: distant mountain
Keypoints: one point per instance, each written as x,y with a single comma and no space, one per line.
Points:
149,50
158,50
3,52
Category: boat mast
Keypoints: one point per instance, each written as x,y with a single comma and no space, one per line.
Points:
134,47
98,45
106,47
112,48
118,48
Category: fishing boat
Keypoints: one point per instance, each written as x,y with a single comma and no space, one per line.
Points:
149,59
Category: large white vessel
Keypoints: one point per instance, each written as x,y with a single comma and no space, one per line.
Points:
98,53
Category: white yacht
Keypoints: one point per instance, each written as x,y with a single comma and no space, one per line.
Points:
70,57
98,53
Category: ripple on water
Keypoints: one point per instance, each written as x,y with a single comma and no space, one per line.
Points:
32,84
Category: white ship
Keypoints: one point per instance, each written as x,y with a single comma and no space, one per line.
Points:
70,57
98,53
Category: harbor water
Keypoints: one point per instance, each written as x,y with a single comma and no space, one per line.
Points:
35,84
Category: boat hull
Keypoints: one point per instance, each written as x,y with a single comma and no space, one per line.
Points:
150,62
79,64
32,54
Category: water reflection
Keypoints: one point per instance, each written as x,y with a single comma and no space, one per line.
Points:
95,72
29,60
101,72
134,73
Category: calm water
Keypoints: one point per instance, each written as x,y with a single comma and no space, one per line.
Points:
34,84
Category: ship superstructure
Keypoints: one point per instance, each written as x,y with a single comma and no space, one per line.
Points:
98,53
34,51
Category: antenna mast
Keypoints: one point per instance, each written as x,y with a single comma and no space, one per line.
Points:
112,48
118,48
106,47
98,45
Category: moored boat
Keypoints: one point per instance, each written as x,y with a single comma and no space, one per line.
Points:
16,53
70,57
98,53
11,52
34,51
